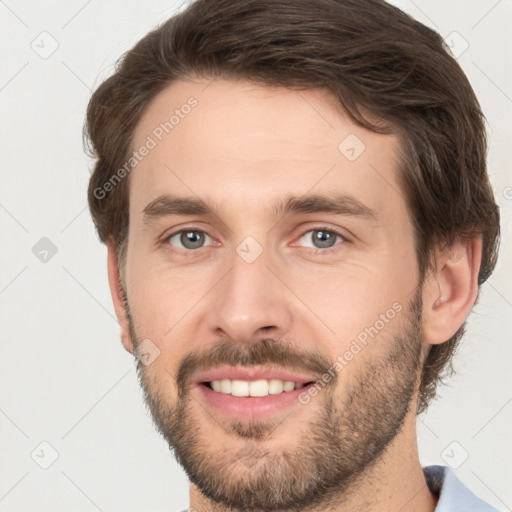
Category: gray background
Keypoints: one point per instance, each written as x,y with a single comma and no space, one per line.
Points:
64,378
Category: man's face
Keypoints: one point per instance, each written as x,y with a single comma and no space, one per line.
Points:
269,244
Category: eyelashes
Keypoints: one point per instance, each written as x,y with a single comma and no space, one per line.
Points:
316,240
327,238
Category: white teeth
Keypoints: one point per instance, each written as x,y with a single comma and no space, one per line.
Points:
225,386
275,387
239,388
289,386
260,387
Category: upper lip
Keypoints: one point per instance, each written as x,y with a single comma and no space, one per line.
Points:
250,374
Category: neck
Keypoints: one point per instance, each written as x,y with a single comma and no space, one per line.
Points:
395,483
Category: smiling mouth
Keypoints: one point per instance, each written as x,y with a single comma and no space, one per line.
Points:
255,388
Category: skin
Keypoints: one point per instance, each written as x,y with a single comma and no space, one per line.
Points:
241,150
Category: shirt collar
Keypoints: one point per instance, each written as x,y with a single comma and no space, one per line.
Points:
453,494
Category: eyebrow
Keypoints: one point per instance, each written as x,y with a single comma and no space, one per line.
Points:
340,204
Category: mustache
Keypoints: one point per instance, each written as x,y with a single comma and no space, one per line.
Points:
265,352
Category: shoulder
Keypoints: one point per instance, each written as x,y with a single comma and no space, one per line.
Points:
454,496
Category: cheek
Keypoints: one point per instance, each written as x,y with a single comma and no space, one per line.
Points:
351,299
360,307
158,309
166,305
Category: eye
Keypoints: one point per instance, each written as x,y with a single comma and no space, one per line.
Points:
189,239
320,238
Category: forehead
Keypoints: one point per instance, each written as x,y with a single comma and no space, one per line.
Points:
236,141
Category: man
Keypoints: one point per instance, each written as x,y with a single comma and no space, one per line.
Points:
298,218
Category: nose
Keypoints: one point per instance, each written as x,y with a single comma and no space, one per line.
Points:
250,302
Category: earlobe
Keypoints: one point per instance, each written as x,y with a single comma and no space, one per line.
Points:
450,290
118,297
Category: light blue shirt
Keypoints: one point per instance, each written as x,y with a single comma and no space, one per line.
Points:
454,496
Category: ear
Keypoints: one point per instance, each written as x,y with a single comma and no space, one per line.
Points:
450,290
116,291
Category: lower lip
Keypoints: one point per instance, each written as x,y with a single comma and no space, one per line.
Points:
250,408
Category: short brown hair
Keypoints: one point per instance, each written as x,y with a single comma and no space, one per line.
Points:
374,60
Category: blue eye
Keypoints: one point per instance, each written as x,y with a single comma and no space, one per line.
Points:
320,239
189,239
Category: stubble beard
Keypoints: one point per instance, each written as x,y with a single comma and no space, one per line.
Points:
356,421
